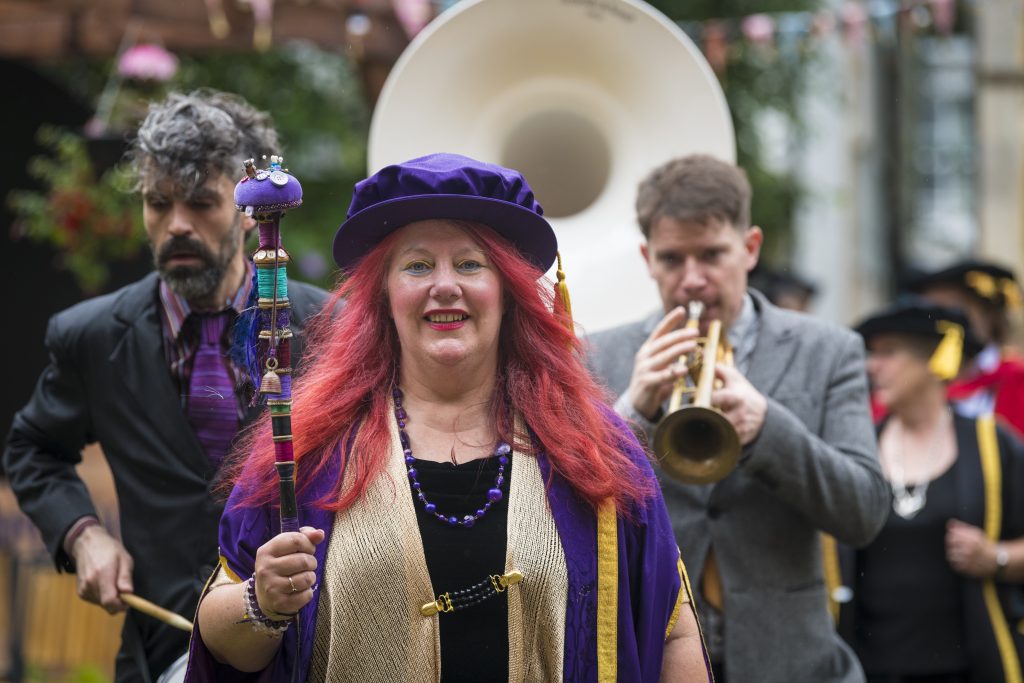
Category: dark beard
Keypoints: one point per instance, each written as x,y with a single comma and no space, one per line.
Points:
196,283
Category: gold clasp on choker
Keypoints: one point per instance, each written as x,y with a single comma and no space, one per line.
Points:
474,595
442,604
501,583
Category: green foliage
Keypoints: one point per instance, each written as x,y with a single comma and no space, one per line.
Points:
759,81
86,673
699,10
90,221
314,97
320,112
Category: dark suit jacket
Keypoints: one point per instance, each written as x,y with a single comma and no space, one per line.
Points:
813,468
108,382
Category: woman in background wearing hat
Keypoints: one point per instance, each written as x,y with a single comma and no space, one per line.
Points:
993,380
933,595
473,511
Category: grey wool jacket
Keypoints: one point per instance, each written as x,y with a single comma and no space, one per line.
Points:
813,468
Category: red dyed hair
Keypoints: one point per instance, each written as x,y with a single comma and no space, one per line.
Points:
343,395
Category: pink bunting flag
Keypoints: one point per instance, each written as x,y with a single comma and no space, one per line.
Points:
854,20
944,16
413,15
758,29
716,46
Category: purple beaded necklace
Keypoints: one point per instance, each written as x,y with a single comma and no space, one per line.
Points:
494,494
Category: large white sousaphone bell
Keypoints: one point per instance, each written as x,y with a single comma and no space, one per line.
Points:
584,97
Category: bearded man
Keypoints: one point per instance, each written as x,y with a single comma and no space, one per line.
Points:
146,372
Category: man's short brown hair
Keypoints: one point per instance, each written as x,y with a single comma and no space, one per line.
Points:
694,188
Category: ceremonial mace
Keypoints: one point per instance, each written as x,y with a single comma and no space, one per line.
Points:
264,195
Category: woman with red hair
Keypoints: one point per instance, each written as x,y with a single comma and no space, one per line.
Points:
474,512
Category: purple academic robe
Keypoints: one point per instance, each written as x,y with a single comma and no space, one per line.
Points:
648,580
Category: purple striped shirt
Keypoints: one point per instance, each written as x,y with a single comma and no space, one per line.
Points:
181,340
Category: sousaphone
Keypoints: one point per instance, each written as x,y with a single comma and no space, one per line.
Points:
584,97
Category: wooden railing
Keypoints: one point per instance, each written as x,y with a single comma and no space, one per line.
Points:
45,629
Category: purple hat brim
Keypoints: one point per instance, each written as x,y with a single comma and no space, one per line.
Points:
528,231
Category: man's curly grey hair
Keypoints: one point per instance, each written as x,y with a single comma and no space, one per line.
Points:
189,137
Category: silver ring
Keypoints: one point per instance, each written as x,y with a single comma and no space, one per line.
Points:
292,584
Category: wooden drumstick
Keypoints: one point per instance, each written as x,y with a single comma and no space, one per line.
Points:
157,612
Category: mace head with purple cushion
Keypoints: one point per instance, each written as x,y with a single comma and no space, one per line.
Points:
263,191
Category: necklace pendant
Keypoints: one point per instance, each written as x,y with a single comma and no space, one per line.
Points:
908,505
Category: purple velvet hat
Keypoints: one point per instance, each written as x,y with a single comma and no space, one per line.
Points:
442,186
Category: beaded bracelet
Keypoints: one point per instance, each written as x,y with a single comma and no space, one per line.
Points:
260,622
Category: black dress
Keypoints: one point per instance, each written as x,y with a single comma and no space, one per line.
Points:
910,617
990,634
474,640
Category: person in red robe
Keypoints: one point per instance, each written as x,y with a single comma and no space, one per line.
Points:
990,295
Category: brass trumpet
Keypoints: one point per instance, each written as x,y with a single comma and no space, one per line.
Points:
695,443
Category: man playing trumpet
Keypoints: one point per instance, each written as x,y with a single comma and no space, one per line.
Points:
798,401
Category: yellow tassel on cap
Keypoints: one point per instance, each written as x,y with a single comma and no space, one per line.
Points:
562,292
1011,294
988,287
945,362
983,284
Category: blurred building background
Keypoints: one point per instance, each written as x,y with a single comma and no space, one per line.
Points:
911,156
880,136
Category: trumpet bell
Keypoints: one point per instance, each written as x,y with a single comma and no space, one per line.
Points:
696,445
